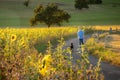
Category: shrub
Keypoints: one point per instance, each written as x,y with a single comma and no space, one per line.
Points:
79,4
50,15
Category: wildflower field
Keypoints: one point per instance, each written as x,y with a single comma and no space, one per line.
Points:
20,59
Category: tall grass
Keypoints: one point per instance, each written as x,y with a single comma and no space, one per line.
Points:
51,66
97,46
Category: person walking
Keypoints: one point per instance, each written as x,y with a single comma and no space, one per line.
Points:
80,37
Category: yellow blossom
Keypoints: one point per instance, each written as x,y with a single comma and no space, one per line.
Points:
46,66
13,37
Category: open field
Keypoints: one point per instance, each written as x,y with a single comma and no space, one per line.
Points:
14,14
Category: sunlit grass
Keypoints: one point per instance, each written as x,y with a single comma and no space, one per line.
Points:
101,47
115,42
114,27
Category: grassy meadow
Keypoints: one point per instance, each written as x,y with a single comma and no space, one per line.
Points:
14,14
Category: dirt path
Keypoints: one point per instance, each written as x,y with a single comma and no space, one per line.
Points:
110,72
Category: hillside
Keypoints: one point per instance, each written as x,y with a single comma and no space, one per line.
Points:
14,13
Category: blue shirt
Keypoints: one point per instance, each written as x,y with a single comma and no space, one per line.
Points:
80,34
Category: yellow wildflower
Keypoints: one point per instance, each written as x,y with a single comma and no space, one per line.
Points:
46,66
13,37
43,71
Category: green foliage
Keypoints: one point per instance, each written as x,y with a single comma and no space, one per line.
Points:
26,3
91,1
79,4
98,1
84,3
50,15
95,1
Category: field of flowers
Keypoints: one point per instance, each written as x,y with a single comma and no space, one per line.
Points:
19,59
27,37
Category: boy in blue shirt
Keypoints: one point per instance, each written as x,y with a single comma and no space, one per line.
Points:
80,37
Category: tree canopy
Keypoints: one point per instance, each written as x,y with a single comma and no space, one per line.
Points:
94,1
79,4
50,15
26,3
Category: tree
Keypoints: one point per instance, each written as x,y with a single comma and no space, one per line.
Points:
50,15
79,4
26,3
98,2
94,1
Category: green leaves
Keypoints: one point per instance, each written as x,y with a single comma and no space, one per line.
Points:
26,3
79,4
50,15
